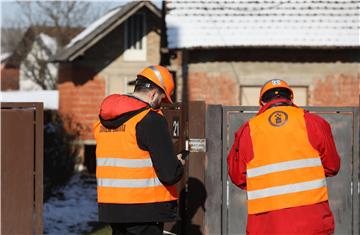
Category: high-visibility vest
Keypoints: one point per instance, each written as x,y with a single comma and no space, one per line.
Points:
286,170
124,172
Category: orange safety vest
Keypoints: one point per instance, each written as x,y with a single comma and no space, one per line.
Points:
124,172
286,170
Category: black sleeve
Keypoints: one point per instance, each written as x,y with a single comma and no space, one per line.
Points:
152,135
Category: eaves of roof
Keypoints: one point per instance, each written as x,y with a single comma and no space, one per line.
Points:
70,53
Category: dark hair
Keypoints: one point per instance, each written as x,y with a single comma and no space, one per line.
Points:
144,84
275,94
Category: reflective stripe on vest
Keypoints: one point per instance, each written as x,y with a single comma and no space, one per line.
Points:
282,166
121,162
129,183
290,188
286,170
124,172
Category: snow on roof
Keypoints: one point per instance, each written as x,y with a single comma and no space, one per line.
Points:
225,23
4,56
89,29
50,98
49,42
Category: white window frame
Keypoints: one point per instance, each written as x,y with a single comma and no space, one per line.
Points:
132,53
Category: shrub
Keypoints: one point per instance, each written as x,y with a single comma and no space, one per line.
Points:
59,152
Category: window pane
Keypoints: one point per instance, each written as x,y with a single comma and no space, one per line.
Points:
132,30
137,31
141,31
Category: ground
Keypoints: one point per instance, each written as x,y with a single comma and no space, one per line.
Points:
73,209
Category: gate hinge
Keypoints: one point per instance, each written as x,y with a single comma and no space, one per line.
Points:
195,145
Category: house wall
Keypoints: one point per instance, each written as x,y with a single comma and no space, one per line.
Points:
9,78
328,83
79,100
99,72
119,72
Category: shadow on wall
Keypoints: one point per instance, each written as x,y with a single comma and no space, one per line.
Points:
189,203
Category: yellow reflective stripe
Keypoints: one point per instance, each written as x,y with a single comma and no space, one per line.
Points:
124,162
283,166
284,189
128,183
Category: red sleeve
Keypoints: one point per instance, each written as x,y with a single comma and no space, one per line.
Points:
321,138
241,152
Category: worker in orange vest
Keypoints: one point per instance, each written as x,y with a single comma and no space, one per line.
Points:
137,168
282,157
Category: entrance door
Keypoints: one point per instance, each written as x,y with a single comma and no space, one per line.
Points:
343,188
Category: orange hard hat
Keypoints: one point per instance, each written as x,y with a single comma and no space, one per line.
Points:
272,84
161,77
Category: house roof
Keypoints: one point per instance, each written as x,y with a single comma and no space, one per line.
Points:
101,27
264,23
25,44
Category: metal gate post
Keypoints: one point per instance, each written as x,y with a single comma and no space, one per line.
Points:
213,170
196,191
356,201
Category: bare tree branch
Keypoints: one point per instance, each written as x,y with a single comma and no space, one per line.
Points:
61,16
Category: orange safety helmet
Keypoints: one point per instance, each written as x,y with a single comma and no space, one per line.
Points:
161,77
274,83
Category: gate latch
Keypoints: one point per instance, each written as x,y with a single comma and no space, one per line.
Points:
195,145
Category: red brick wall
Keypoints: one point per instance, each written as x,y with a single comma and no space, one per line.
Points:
336,90
79,100
9,79
214,89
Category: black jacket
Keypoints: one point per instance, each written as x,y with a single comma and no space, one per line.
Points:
152,135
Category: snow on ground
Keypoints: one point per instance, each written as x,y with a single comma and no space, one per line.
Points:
4,56
73,207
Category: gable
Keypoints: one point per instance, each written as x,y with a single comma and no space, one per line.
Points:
101,28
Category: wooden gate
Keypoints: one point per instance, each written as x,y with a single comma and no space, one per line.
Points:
343,188
21,188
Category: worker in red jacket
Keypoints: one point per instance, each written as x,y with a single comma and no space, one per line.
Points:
282,157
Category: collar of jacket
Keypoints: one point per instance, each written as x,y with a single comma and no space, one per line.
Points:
276,102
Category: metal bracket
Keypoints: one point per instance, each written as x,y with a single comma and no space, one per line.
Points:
195,145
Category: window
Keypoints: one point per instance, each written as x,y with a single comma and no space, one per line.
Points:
135,38
249,95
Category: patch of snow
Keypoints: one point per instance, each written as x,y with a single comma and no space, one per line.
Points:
28,84
48,42
229,23
50,98
43,48
92,27
72,212
4,56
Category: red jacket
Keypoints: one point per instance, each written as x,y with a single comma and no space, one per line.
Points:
312,219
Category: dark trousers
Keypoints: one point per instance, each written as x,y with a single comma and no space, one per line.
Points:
153,228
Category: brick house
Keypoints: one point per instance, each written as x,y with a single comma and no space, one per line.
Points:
39,40
226,50
9,75
104,59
